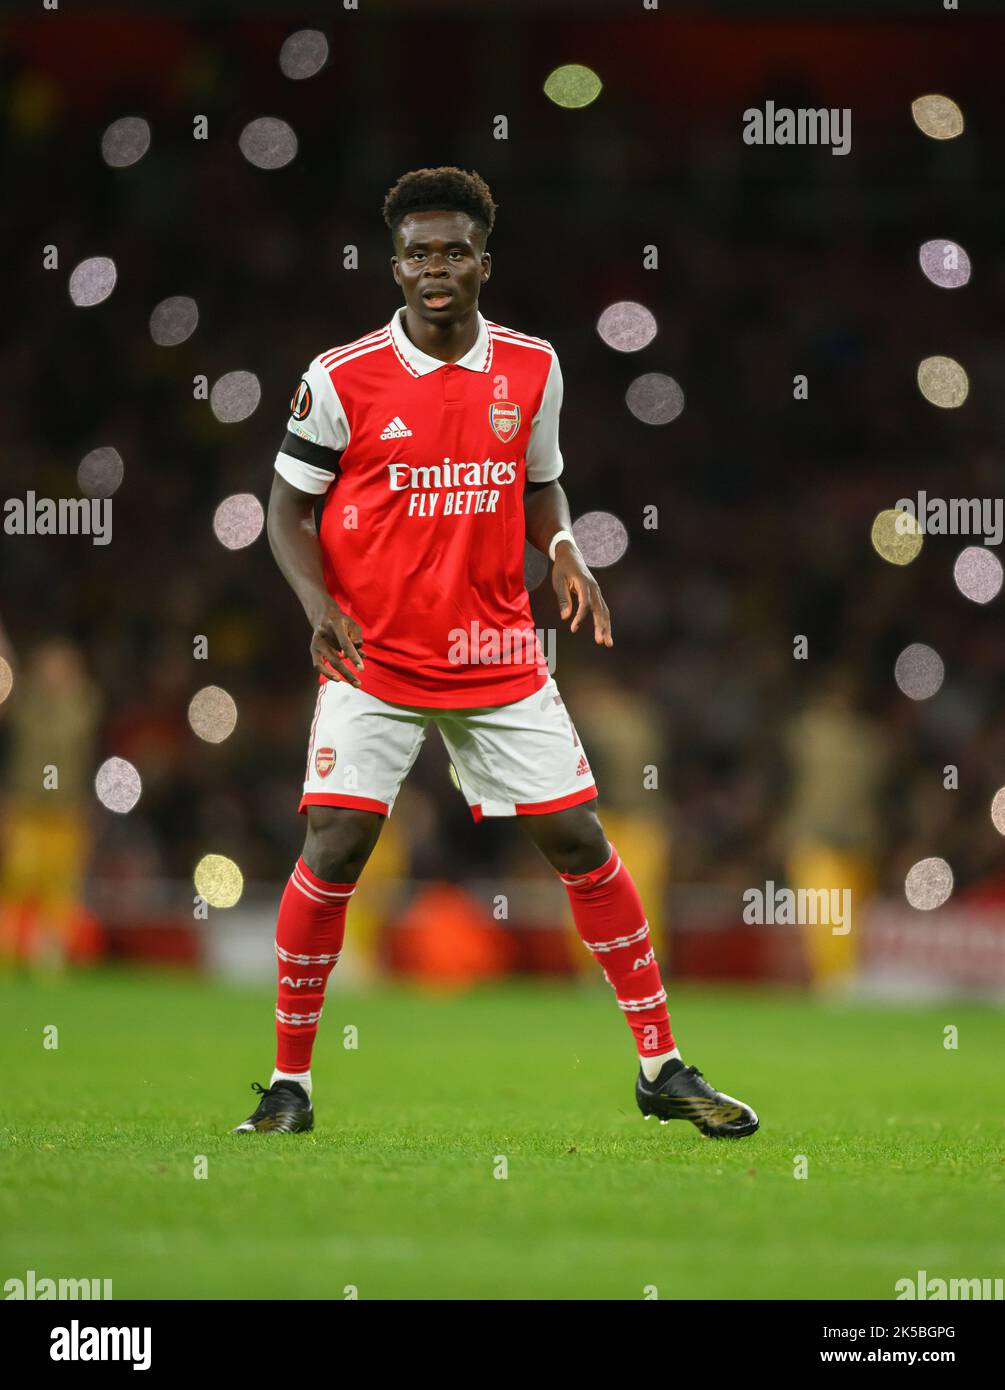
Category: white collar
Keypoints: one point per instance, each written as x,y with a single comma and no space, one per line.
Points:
477,359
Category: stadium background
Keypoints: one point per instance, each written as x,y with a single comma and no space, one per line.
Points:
772,262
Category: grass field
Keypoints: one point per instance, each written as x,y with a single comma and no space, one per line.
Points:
394,1192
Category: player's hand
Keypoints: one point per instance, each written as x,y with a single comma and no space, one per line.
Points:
337,646
576,587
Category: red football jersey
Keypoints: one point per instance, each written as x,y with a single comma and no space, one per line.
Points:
423,522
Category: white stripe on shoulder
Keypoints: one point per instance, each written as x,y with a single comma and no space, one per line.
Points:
334,357
356,342
360,352
512,335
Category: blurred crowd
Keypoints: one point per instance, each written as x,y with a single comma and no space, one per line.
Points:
772,263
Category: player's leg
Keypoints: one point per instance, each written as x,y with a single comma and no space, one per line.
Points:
526,759
610,918
360,752
310,930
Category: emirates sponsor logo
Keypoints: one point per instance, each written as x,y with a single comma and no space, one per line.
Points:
450,488
403,476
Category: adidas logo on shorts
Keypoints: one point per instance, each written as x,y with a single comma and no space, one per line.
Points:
397,429
583,767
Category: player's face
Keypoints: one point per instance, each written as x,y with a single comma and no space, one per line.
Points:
441,264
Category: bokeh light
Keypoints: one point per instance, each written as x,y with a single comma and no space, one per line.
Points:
268,143
218,880
937,117
946,264
92,281
238,520
303,54
601,537
6,679
100,472
928,884
626,326
174,320
125,142
235,396
919,671
212,714
943,381
897,536
572,86
117,785
978,574
998,811
655,398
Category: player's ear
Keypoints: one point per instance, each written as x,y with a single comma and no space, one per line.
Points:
394,270
486,266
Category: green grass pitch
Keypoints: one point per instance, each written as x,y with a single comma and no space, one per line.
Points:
394,1194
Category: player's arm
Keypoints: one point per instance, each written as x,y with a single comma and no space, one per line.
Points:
306,467
293,536
546,512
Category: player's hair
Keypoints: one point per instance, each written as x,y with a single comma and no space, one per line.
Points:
440,190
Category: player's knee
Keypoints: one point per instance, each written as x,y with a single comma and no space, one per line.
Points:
339,841
572,841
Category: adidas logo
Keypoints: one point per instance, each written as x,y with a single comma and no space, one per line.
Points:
397,429
583,767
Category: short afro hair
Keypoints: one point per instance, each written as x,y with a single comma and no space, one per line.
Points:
440,190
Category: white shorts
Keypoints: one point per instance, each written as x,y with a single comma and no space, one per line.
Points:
522,759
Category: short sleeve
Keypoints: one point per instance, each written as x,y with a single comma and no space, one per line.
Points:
544,458
316,433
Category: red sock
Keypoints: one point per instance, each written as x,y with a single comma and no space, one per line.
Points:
609,917
309,935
